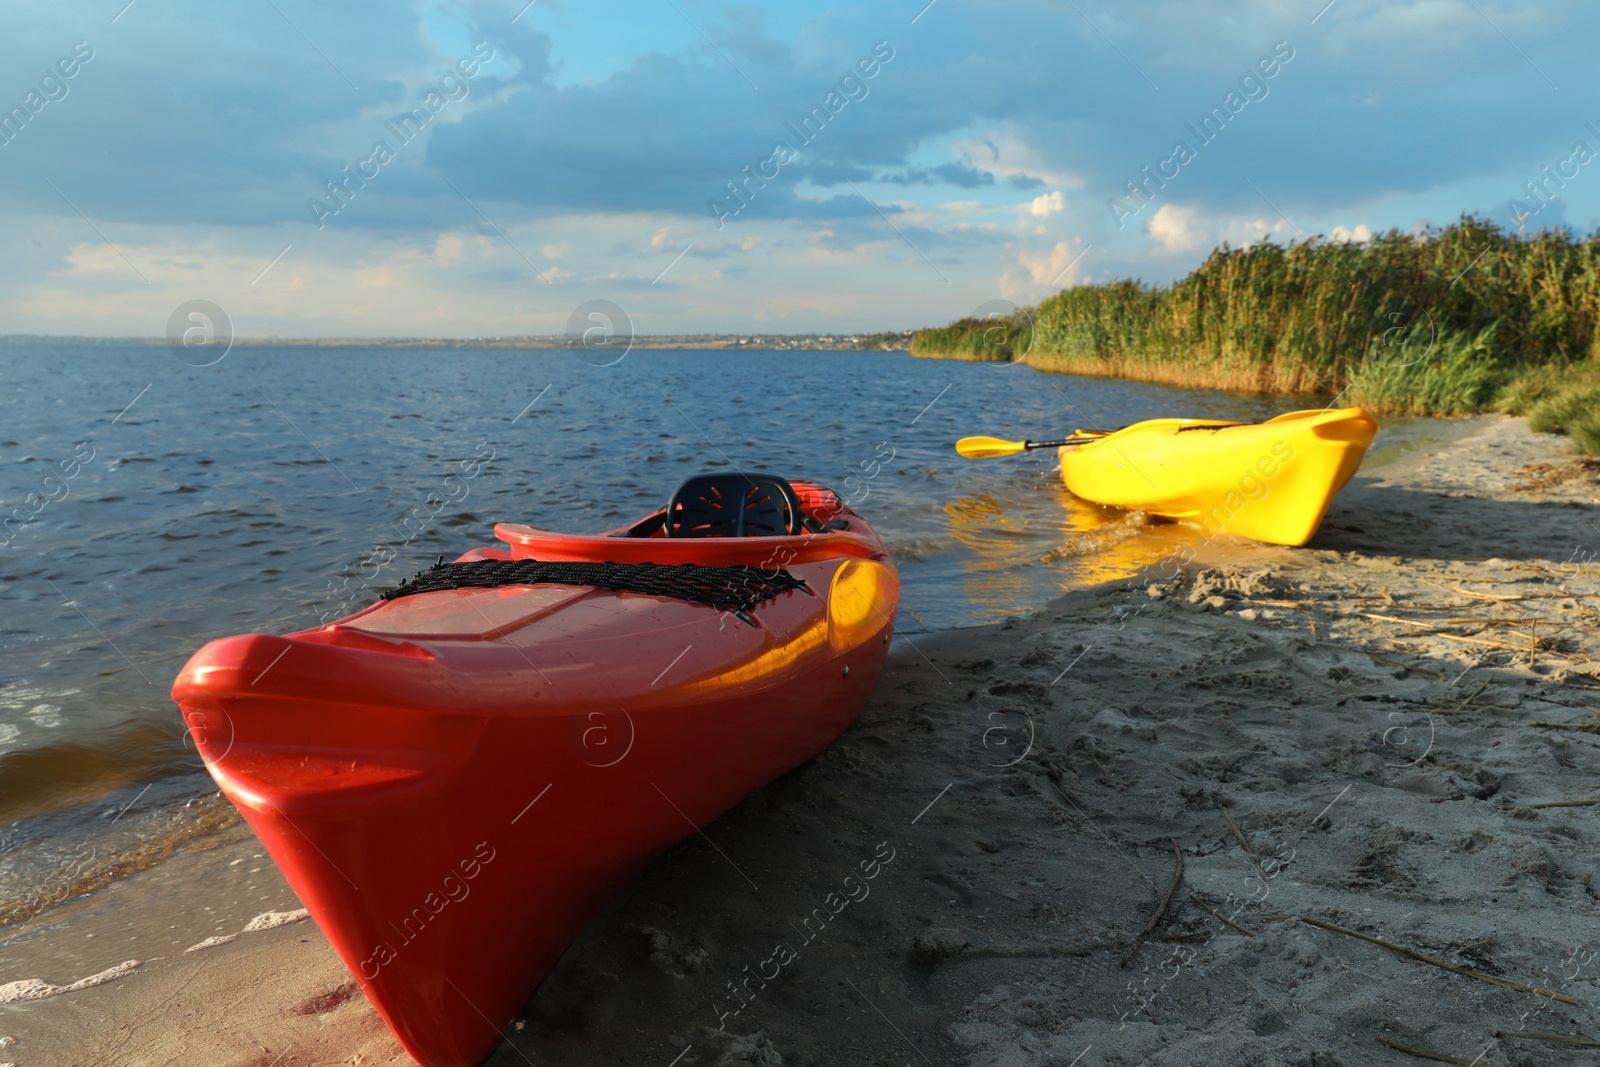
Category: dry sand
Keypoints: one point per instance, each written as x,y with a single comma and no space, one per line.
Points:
1367,711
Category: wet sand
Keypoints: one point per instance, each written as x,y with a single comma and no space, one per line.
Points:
1363,736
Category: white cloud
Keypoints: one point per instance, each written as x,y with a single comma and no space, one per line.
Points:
668,237
1360,235
1179,229
448,247
1175,227
1059,267
1007,154
1046,205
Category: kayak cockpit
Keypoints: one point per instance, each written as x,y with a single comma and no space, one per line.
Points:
713,520
743,505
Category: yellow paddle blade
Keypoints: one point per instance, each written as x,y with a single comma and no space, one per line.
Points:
988,447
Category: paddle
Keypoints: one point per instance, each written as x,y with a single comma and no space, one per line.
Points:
989,447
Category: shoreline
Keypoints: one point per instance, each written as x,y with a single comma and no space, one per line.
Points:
1172,375
1323,743
1562,400
747,342
1253,381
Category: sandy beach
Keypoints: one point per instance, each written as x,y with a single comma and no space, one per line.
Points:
1368,757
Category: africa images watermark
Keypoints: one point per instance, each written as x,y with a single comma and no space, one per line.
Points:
453,85
52,87
347,591
816,922
1538,190
451,889
55,488
852,83
1253,86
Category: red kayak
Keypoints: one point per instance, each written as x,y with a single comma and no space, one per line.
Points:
456,778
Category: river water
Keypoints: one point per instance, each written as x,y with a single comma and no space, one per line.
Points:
170,504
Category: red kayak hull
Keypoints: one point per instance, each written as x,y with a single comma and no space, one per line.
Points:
454,782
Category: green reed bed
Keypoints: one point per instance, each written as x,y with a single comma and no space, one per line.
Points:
1456,320
1558,400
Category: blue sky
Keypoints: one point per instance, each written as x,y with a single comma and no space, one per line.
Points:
588,157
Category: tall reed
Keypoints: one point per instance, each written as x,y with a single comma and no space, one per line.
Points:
1436,322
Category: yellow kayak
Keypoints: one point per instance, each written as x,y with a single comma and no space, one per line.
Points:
1271,481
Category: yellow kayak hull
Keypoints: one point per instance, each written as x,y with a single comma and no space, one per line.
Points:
1270,481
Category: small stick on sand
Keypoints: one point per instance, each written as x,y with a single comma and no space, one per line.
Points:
1227,920
1437,962
1532,623
1591,802
1391,618
1239,837
1161,908
1554,1039
1435,625
1467,707
1460,620
1479,641
1469,593
1424,1054
1407,666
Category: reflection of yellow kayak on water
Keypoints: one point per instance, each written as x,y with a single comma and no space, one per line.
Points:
1271,481
1009,533
1004,535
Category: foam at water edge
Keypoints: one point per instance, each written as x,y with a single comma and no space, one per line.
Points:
38,989
269,920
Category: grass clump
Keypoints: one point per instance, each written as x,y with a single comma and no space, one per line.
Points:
1564,400
997,338
1456,375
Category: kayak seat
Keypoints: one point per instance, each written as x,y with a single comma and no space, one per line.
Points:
734,505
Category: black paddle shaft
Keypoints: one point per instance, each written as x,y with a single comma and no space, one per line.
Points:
1094,435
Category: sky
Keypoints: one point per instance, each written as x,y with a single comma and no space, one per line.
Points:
752,168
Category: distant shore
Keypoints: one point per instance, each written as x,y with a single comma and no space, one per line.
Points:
875,342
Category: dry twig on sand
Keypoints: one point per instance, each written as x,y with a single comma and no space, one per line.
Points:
1491,644
1161,908
1431,628
1469,593
1224,918
1437,962
1424,1054
1408,667
1591,726
1467,707
1554,1039
1589,803
1460,620
1239,837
